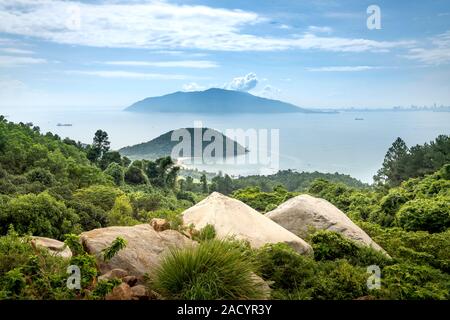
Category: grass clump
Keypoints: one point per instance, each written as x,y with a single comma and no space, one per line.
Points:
215,269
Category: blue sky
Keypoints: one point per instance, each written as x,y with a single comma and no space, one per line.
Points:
311,53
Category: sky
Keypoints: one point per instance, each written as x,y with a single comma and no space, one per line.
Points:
312,53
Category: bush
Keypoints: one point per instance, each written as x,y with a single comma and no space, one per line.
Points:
328,245
27,273
116,172
418,247
206,233
212,270
99,196
39,215
425,214
407,281
300,277
135,175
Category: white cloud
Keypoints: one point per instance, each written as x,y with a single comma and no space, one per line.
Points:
199,64
342,69
16,51
269,92
438,53
316,29
192,86
13,61
245,83
128,75
285,27
159,25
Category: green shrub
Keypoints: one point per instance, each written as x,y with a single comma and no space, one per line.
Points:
40,215
425,214
109,252
28,273
208,232
99,196
328,245
407,281
212,270
294,276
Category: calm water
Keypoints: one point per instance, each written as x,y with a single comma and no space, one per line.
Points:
308,142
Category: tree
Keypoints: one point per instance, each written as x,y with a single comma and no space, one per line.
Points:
110,157
162,172
204,183
135,175
116,172
393,169
100,145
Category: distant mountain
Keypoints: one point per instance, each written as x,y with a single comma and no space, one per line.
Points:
214,101
163,145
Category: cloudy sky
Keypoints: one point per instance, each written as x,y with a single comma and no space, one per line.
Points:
317,53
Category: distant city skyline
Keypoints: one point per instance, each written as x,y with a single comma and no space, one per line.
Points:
314,54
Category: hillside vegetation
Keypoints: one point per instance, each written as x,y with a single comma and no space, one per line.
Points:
57,188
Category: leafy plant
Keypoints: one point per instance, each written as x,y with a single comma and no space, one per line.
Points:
118,244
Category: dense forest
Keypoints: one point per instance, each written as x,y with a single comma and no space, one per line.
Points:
57,188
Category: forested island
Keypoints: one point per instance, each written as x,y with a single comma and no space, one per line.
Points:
54,188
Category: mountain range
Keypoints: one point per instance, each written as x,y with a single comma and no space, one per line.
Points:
214,101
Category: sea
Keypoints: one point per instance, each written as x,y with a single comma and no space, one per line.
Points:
350,142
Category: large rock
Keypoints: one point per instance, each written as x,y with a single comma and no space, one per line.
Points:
144,249
231,217
304,213
55,247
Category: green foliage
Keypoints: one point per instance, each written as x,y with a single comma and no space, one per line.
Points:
402,163
103,288
328,245
300,277
99,196
206,233
262,201
116,172
74,244
40,215
212,270
28,273
425,214
420,248
109,252
135,176
122,212
407,281
294,181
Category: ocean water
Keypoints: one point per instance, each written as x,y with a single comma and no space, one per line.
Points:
307,142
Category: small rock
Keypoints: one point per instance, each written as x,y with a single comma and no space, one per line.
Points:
113,274
121,292
130,280
263,285
55,247
160,224
139,292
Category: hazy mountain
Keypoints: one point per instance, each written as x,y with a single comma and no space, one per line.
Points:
214,101
163,145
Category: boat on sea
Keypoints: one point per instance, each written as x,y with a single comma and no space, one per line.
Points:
359,118
64,125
